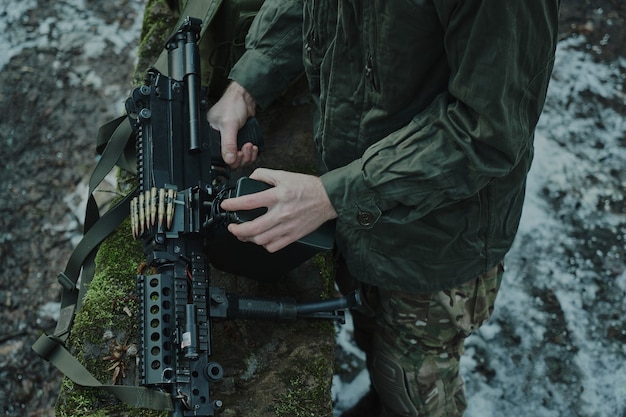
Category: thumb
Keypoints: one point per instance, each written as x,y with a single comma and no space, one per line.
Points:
229,143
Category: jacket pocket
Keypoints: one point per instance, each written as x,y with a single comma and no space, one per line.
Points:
446,235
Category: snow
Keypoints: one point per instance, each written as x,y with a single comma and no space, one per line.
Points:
577,155
555,344
348,393
14,14
70,25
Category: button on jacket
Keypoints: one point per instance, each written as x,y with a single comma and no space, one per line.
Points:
425,113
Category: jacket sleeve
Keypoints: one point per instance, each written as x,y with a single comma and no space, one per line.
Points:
273,56
500,56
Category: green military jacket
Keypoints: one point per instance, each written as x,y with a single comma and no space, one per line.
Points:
425,113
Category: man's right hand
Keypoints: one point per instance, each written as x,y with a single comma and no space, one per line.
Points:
229,115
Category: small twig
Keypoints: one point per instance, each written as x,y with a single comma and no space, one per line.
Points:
12,335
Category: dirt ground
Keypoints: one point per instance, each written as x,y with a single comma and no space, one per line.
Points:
48,123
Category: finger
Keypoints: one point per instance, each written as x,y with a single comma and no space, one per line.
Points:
258,231
255,152
236,203
278,244
249,201
254,229
276,238
272,240
250,153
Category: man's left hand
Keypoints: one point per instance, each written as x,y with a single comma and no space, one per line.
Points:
297,205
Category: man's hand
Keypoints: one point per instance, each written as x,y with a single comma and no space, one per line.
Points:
297,205
229,115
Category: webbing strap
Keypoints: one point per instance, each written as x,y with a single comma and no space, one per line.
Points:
117,131
82,258
52,349
96,229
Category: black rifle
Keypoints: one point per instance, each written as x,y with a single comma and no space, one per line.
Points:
182,180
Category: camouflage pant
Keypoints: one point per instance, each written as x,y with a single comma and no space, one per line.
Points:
414,343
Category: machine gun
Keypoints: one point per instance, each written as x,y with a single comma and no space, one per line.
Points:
182,179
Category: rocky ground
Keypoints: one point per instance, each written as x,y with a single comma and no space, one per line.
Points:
67,70
71,77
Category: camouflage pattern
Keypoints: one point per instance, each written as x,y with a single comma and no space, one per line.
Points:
415,341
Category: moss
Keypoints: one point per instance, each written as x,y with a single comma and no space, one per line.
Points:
75,400
158,22
324,262
308,389
111,294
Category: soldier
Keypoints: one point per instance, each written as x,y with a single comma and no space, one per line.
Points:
424,119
